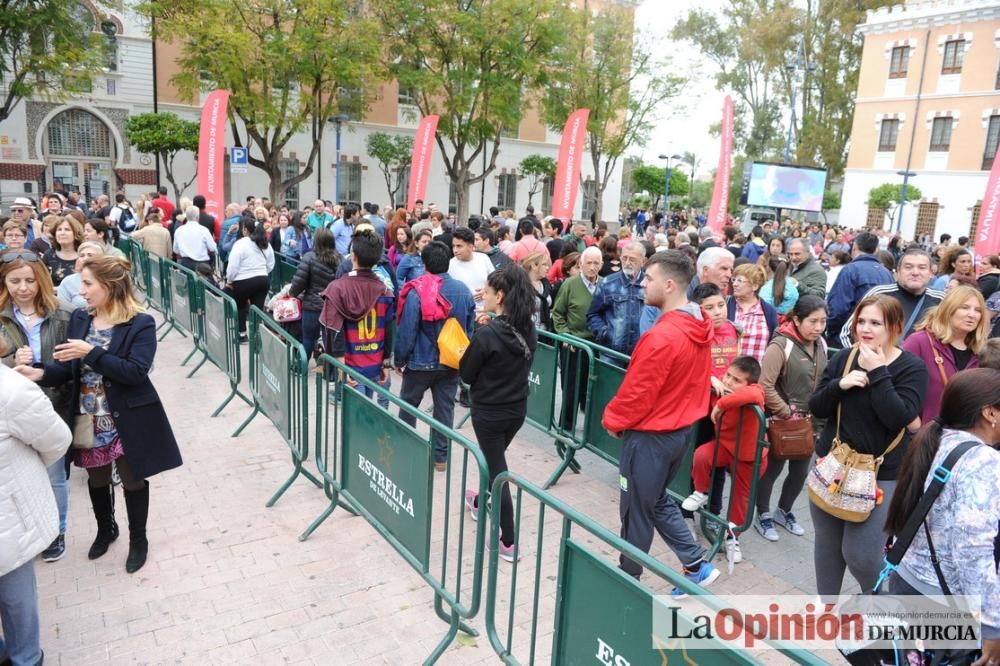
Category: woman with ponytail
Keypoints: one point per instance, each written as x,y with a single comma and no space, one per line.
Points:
781,291
962,522
495,366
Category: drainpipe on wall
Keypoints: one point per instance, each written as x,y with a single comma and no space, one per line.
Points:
913,128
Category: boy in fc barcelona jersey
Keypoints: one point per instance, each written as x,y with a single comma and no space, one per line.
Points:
357,309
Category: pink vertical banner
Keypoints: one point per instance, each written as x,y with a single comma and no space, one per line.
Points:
987,235
420,161
568,167
717,215
211,152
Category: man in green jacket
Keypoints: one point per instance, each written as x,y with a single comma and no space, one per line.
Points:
808,272
569,317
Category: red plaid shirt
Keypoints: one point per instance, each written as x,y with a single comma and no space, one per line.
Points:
755,332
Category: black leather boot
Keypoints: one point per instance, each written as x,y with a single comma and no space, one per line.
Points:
103,501
137,507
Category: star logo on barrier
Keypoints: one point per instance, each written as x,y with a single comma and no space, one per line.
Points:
385,451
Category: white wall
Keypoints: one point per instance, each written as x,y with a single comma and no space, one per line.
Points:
956,192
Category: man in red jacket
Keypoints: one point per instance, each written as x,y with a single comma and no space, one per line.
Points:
672,361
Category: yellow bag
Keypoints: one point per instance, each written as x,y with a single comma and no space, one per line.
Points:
452,343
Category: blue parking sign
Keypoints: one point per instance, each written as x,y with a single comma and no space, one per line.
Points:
238,159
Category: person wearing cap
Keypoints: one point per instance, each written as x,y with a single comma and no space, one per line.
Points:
23,210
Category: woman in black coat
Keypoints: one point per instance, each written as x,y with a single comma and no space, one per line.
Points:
107,357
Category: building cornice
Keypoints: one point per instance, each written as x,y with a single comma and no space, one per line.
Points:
928,96
928,13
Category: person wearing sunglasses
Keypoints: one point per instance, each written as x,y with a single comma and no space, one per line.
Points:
32,322
106,358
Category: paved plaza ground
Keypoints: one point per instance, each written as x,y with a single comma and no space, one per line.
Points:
227,580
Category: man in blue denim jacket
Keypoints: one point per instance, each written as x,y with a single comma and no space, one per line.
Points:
614,313
416,348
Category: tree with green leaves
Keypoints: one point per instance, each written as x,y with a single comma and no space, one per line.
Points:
392,153
765,48
650,178
164,134
289,66
474,63
886,197
537,169
620,79
40,57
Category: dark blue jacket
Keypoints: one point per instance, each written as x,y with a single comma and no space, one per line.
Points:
854,281
770,314
615,311
142,424
416,339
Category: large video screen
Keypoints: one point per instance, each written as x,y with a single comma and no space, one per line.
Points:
786,186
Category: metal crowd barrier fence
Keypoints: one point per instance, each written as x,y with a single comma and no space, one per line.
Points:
586,585
376,464
278,372
715,526
220,339
136,254
284,269
186,309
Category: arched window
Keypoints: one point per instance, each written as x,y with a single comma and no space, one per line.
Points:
77,133
83,19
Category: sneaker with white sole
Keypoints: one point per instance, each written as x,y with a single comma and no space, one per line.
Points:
704,576
787,520
507,552
694,501
765,525
733,551
56,550
470,502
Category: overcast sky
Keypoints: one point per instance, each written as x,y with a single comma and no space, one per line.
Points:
685,128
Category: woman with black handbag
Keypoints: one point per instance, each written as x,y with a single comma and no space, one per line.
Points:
869,393
793,363
118,417
952,551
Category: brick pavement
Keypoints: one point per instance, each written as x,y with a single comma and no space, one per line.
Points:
227,581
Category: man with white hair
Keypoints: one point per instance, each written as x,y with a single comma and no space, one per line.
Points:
614,312
193,243
569,315
715,265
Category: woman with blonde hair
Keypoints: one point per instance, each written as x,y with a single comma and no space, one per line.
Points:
43,243
949,340
106,359
61,257
32,322
756,317
537,265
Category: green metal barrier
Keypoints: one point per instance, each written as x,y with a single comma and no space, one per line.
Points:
598,608
278,374
186,309
154,283
220,338
161,292
284,269
136,254
373,462
715,526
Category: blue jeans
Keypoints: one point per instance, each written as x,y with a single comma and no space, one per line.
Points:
383,402
310,330
21,640
60,488
442,384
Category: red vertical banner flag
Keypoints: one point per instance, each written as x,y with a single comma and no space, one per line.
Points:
211,152
720,195
568,167
420,161
987,235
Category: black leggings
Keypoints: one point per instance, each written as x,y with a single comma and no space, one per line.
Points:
252,291
494,437
100,477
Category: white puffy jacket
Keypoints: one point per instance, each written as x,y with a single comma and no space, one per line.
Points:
32,437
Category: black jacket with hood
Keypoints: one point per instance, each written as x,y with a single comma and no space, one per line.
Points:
496,367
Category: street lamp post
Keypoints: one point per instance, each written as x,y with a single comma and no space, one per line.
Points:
794,68
339,120
666,184
902,197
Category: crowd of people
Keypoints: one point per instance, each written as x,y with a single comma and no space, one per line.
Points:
864,339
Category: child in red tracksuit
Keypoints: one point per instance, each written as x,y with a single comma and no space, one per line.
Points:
742,390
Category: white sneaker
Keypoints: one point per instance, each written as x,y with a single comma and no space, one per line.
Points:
788,521
694,501
733,552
